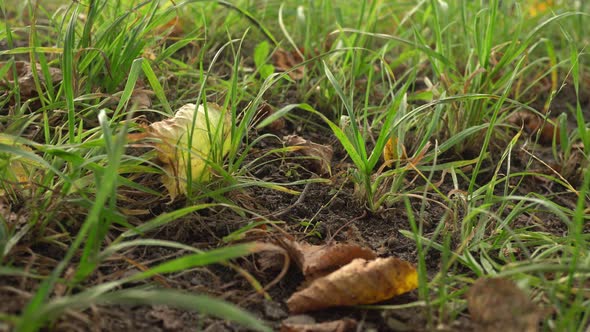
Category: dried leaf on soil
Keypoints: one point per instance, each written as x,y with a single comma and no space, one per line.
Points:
359,282
314,260
173,28
169,318
141,98
9,217
15,172
25,78
263,112
321,154
210,142
341,325
535,125
497,304
285,61
576,165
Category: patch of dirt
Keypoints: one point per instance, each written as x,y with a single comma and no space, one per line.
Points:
323,213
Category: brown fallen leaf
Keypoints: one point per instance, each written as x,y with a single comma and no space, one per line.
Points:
321,154
141,98
173,28
314,260
575,166
341,325
534,125
359,282
497,304
263,112
25,78
11,219
547,130
285,61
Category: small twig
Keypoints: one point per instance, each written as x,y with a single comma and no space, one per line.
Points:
346,224
297,202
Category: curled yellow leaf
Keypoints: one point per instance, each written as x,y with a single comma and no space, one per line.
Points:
197,137
16,173
394,151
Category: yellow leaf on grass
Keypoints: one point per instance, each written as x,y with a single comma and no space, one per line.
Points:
15,172
195,136
539,7
359,282
394,151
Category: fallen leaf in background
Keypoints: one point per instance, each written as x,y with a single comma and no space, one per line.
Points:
359,282
16,172
341,325
576,165
210,142
532,124
314,260
9,217
169,318
547,130
149,54
285,61
391,151
321,154
141,98
539,7
497,304
25,78
263,112
173,28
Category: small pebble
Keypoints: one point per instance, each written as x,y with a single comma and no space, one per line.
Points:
273,310
217,327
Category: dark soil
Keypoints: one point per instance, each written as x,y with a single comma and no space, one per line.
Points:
326,213
332,213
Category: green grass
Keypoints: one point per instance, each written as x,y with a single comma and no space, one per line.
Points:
443,79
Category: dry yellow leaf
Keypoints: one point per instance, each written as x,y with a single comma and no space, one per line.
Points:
359,282
195,136
15,172
391,151
539,7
